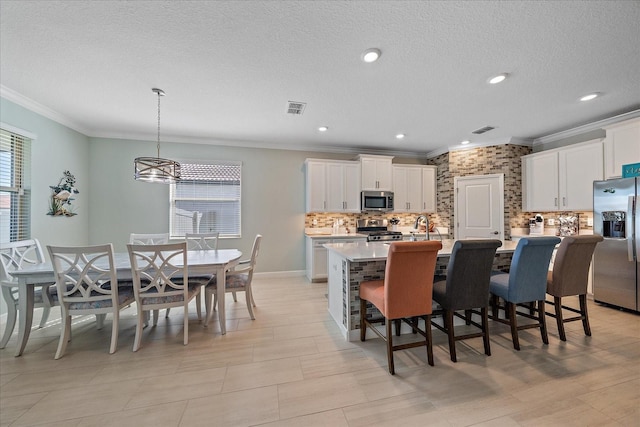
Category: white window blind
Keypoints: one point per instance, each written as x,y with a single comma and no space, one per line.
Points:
15,187
206,200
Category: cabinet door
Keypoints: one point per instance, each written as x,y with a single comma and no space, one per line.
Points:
400,200
429,189
376,174
352,187
335,187
540,182
622,147
384,173
414,189
578,168
369,178
316,187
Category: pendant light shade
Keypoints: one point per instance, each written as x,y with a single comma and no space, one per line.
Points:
156,169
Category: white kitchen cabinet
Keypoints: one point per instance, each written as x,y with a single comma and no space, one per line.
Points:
316,257
577,169
343,187
414,188
621,147
562,179
332,186
316,186
377,172
316,254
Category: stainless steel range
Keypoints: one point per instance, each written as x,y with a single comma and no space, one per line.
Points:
376,230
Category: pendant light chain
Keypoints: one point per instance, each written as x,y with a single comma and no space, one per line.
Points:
158,124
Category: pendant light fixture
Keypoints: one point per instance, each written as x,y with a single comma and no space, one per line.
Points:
156,169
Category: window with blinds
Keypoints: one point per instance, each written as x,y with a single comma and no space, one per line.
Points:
206,200
15,187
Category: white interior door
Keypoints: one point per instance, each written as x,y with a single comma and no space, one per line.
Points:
479,207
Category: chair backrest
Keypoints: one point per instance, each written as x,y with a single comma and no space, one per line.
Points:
160,272
255,250
469,273
17,255
408,279
81,272
529,268
201,241
148,239
571,265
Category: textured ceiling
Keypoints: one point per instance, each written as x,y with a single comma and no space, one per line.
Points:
230,67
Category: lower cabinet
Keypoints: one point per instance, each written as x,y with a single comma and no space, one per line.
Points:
316,255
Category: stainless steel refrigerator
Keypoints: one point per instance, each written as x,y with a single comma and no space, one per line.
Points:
616,267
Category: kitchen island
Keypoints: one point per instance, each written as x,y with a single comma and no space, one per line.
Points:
352,263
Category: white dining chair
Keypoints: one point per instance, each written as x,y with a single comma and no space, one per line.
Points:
160,280
86,282
202,241
238,279
15,256
150,239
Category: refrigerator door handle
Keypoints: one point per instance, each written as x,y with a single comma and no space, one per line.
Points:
632,250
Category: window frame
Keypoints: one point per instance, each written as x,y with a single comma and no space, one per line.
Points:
185,172
19,144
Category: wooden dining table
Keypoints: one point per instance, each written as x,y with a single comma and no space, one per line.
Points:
199,262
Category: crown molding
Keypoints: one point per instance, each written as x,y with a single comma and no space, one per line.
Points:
585,128
491,143
40,109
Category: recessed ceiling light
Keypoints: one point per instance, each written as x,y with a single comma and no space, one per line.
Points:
497,79
323,128
465,142
371,55
400,136
590,97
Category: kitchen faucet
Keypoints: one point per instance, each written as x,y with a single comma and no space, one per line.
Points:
417,223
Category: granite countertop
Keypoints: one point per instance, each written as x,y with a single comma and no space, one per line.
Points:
377,251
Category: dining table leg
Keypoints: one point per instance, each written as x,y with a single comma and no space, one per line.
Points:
25,315
220,289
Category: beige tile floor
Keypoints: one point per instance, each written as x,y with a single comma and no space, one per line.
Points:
290,367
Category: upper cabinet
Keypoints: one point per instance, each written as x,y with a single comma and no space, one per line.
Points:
414,188
343,187
332,186
562,179
316,185
621,147
377,172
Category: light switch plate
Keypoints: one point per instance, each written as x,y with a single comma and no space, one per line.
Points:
552,221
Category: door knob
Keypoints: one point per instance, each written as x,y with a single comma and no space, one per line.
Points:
495,232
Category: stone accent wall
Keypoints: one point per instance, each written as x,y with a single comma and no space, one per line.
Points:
503,159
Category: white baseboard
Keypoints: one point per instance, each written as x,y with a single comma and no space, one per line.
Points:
277,274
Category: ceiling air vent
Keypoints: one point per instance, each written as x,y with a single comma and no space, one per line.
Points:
483,130
296,108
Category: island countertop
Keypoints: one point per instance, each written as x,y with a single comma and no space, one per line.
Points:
377,251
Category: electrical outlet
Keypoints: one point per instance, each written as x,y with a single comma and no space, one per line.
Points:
590,222
552,221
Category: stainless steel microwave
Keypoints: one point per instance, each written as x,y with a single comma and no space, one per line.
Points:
376,201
